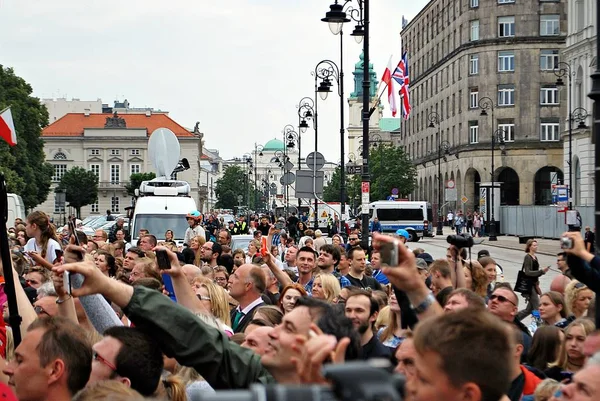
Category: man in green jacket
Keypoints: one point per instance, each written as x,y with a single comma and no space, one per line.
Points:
184,336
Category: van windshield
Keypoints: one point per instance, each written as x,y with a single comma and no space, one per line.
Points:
400,214
158,224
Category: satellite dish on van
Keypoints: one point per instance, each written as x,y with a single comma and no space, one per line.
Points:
163,149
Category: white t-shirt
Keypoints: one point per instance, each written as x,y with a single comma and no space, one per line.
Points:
51,249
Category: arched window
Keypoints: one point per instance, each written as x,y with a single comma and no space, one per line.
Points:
60,156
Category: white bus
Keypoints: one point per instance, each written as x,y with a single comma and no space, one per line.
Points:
413,216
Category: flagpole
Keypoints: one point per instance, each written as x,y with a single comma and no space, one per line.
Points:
9,287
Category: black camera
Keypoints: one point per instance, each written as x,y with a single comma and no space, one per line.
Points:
368,381
460,241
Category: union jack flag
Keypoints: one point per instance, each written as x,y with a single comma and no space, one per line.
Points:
402,77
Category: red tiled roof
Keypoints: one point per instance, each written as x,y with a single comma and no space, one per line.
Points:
73,124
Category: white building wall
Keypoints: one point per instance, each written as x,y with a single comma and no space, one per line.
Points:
61,106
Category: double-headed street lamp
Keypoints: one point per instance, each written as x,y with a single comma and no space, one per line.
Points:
307,110
443,147
258,151
289,142
281,158
563,69
247,159
376,141
485,104
335,18
326,70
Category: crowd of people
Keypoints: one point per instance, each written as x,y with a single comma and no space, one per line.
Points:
217,318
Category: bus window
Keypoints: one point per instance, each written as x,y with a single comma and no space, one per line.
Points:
400,214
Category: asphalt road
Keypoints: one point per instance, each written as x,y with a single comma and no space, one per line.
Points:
510,260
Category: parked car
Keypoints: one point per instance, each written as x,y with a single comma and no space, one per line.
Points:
241,241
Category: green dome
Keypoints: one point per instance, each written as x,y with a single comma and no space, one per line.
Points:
273,145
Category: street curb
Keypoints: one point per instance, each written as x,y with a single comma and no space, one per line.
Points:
496,245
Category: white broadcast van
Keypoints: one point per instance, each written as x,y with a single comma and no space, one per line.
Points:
162,204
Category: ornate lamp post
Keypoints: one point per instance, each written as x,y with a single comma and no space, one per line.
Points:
258,151
563,69
443,147
335,18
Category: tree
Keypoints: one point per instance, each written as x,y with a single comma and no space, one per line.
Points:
81,187
26,171
136,179
391,168
331,192
234,183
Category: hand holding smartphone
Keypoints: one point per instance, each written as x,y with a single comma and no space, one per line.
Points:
162,259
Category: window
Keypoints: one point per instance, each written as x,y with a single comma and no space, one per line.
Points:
474,98
505,1
115,174
114,204
475,30
474,64
548,60
549,95
59,207
509,131
474,3
95,207
506,95
506,61
549,131
134,169
550,25
115,152
60,156
95,168
95,152
135,152
506,27
473,132
59,171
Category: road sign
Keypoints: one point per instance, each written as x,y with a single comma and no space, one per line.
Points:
450,184
311,163
365,187
273,185
240,198
451,194
305,184
353,169
288,166
464,199
391,197
395,191
288,178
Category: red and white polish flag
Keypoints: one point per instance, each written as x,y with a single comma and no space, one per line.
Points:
7,127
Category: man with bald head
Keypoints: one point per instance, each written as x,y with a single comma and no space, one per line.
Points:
246,286
191,272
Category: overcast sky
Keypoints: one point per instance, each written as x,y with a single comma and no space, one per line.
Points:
237,66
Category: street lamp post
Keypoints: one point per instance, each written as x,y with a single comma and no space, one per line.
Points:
485,104
306,111
247,159
280,159
376,141
561,70
258,151
443,146
289,142
336,17
329,69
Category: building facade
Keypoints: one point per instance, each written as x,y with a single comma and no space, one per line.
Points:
494,54
114,147
580,55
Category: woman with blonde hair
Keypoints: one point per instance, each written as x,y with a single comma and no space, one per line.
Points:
578,297
253,250
571,356
475,278
196,245
392,335
554,310
215,300
326,287
108,390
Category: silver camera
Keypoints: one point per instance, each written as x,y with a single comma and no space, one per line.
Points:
566,243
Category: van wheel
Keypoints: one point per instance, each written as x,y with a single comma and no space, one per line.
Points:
413,236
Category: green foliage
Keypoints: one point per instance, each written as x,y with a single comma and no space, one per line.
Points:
391,168
235,183
135,180
81,188
24,165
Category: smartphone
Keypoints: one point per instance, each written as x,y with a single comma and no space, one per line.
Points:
263,247
73,233
388,252
59,255
162,260
568,376
67,282
279,225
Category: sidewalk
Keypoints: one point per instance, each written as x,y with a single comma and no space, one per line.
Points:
545,246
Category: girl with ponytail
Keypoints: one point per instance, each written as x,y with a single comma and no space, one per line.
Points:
42,236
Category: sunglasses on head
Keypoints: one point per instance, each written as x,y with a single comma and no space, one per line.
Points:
501,298
580,285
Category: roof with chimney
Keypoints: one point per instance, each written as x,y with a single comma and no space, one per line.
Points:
74,124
